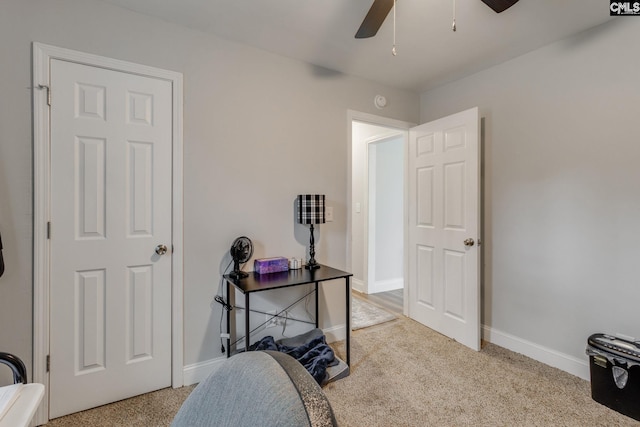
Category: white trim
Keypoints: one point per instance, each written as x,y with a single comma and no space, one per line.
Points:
358,285
406,295
197,372
369,236
378,120
42,56
389,284
352,116
41,173
177,215
565,362
335,333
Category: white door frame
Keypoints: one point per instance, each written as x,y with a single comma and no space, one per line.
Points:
352,116
42,55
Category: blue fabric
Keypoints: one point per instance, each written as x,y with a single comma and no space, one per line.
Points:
314,355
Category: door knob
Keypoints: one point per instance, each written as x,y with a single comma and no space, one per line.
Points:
161,249
469,242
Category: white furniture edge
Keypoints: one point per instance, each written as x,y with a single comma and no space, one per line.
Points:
24,408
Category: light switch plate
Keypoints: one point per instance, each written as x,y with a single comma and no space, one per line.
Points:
328,214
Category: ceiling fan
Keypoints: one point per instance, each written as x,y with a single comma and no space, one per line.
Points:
380,9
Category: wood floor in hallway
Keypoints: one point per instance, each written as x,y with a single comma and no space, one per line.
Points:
391,300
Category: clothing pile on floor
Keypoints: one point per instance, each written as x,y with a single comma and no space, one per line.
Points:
310,349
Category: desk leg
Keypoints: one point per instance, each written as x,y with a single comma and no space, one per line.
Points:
247,337
228,320
348,320
317,317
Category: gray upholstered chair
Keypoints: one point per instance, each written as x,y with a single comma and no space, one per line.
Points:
261,388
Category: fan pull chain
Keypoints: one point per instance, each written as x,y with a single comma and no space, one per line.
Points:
393,51
453,26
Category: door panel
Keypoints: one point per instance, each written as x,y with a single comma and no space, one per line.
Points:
425,267
454,284
91,186
89,309
110,302
425,202
444,290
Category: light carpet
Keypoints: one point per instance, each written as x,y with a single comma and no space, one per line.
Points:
404,374
150,410
365,314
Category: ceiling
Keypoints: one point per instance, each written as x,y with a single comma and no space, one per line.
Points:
429,53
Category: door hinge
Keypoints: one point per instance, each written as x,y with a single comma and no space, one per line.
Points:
48,362
49,230
48,93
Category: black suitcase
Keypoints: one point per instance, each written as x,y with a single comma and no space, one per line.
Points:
614,364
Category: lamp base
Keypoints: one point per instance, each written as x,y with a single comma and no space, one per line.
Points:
312,266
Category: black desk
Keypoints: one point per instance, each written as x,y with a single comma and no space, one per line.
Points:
264,282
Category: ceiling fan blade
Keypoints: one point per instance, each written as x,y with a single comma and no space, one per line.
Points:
374,19
499,5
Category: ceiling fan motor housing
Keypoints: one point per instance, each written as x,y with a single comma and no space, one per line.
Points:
499,5
381,8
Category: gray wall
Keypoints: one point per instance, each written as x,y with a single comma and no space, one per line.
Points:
258,130
561,189
562,199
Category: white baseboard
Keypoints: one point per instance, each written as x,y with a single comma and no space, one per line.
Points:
570,364
335,333
381,286
193,374
386,285
197,372
357,285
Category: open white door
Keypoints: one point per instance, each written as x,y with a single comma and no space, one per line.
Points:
444,225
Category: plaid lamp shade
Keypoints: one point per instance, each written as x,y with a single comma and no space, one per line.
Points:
311,209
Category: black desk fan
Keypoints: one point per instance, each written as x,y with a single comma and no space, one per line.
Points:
241,251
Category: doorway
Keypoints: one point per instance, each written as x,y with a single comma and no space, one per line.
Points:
377,208
108,174
442,219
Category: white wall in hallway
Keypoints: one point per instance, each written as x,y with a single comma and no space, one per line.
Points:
386,214
362,133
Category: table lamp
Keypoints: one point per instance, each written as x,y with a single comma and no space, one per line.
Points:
311,211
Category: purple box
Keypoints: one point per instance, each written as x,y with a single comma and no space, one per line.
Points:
270,265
